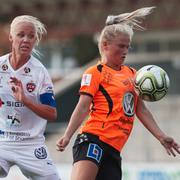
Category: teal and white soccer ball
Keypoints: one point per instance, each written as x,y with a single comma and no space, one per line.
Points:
151,83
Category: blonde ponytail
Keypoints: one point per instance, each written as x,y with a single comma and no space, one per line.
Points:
132,19
124,23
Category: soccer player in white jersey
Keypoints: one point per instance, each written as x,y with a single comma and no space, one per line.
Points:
26,104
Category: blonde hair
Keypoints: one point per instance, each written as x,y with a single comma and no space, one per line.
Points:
39,26
124,23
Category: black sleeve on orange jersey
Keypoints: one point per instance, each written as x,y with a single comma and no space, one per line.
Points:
85,93
132,70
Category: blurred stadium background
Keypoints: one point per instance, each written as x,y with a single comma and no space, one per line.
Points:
71,45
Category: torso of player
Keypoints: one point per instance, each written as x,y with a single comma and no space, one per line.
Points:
114,100
17,122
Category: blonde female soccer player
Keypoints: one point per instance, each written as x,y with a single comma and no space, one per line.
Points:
107,95
26,104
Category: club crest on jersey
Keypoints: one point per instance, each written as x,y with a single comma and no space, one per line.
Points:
40,153
94,152
86,80
27,70
30,86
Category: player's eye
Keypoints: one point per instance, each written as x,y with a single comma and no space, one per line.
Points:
122,46
20,35
31,36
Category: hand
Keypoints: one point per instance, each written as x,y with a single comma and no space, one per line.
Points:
17,88
170,145
62,143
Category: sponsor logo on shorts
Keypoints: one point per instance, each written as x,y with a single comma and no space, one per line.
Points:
40,153
94,152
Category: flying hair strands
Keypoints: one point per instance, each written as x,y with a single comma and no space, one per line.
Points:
133,19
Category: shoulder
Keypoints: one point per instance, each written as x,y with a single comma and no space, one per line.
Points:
129,69
36,64
39,69
4,58
95,69
93,73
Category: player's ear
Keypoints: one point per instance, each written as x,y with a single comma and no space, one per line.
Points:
104,45
10,38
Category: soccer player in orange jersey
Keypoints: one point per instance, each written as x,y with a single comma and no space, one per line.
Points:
107,95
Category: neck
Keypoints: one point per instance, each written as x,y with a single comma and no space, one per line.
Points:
17,61
116,67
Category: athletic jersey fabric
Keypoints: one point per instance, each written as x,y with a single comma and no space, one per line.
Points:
17,122
113,107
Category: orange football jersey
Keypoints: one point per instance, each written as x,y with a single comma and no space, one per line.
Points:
114,102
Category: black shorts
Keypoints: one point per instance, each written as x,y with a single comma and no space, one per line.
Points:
88,147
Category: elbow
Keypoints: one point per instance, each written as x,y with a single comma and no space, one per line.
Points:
53,116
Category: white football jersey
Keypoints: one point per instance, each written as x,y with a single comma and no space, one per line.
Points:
17,122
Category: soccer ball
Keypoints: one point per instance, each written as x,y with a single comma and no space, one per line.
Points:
151,83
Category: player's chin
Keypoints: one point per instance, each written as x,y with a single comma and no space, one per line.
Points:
121,61
121,58
25,52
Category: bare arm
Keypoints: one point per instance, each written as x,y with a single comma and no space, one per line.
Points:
42,110
77,117
145,116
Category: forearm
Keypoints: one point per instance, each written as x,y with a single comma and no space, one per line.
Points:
76,120
47,112
148,121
